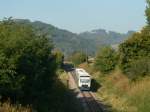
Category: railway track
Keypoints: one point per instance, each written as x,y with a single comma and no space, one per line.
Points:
91,103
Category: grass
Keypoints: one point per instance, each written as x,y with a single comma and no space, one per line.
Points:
117,91
63,77
61,99
120,93
68,99
124,95
139,95
7,107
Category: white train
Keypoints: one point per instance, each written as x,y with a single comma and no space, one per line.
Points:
83,79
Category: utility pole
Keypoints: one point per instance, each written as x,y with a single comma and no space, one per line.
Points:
86,55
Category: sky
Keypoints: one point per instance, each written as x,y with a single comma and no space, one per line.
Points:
79,15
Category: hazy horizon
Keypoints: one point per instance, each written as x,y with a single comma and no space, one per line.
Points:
79,16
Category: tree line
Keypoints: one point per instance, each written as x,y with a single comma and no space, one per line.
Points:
132,56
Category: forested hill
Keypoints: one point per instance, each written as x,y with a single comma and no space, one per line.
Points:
103,37
69,42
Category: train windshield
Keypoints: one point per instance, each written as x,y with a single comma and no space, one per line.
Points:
85,80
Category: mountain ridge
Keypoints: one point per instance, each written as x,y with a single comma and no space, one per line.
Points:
69,42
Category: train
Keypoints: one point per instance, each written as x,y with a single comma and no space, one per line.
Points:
83,79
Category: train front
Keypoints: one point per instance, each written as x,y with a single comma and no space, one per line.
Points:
85,82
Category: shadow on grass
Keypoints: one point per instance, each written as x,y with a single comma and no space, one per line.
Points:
68,67
63,100
99,106
95,85
58,99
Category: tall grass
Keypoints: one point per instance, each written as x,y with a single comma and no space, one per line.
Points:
8,107
124,95
139,95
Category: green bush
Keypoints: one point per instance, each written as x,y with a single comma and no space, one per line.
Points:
106,60
59,58
139,68
78,58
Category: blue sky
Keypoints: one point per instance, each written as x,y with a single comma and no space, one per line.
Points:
79,15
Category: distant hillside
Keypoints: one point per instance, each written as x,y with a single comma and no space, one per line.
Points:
69,42
102,37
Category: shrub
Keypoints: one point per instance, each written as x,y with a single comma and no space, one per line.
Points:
106,60
78,58
59,58
139,68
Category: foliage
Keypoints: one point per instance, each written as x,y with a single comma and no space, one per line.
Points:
8,107
123,95
106,60
59,57
139,68
27,66
78,58
135,55
147,11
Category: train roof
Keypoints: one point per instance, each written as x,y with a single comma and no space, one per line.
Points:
82,72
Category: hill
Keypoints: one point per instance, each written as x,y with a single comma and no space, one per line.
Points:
69,42
101,36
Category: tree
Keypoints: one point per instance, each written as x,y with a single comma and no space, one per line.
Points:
134,52
27,65
147,11
106,60
78,58
59,57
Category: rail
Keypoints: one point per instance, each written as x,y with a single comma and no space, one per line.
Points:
90,101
